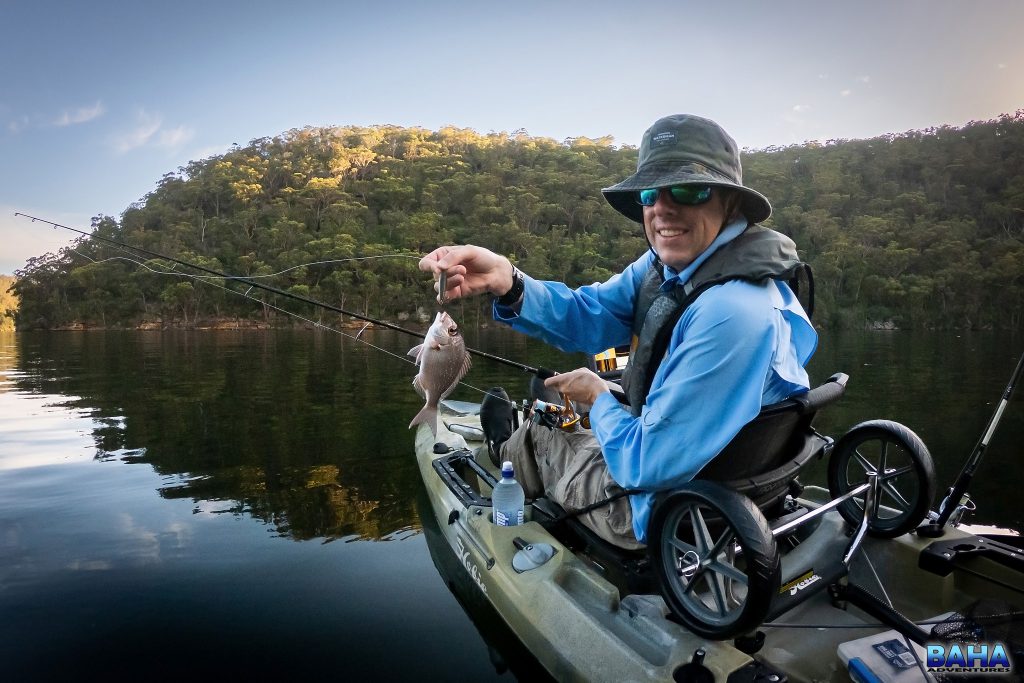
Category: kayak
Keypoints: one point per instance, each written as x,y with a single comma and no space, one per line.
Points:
581,621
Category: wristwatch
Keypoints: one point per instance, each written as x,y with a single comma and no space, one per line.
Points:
516,291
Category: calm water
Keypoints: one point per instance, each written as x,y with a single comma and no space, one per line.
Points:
211,503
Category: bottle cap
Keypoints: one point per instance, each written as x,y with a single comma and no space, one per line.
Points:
506,469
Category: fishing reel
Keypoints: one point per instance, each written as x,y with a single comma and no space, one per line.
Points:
554,416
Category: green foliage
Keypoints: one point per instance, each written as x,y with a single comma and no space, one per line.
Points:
921,229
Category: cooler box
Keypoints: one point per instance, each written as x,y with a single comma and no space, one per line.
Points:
885,657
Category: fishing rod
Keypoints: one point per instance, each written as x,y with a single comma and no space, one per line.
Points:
539,372
953,497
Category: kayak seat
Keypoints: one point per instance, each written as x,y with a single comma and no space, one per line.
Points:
761,463
763,460
735,548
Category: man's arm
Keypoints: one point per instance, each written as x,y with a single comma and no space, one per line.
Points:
591,318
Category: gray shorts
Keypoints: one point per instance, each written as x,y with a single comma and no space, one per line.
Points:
568,468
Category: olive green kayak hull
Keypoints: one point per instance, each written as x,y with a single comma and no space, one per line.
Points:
579,627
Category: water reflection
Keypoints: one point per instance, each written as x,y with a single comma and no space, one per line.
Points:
272,426
111,568
306,431
945,387
250,438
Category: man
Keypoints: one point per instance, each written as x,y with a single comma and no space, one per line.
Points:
717,332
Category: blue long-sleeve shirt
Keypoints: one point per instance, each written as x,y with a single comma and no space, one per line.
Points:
737,347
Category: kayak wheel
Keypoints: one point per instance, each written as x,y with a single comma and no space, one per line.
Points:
715,558
905,470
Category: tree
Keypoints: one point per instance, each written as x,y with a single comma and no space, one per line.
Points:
8,303
923,228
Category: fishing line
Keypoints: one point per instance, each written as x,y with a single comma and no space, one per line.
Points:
304,265
540,372
245,295
239,277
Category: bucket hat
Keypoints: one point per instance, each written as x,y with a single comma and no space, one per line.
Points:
683,149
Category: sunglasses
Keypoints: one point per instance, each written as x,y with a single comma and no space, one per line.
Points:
688,195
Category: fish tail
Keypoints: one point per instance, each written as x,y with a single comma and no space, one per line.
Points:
428,415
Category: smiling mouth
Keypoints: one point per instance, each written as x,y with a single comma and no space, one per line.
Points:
667,232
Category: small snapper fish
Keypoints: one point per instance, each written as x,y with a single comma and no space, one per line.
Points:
443,361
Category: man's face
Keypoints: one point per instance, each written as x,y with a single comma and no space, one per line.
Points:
681,233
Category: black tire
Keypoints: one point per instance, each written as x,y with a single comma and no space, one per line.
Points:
907,482
723,593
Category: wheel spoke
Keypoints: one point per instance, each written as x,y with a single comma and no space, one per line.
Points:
688,585
720,545
892,474
864,462
682,546
717,583
896,495
881,460
701,535
730,571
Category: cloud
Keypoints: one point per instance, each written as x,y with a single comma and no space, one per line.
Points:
142,545
795,116
80,115
864,79
1000,65
146,127
149,130
17,125
174,137
845,93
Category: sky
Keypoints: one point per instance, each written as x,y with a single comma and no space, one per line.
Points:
100,99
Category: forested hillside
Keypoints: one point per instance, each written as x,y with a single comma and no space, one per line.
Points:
921,229
8,303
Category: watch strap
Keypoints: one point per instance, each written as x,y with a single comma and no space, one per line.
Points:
516,291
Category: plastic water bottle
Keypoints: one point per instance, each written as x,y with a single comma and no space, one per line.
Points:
508,499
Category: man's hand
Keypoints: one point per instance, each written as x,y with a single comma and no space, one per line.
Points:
471,270
580,385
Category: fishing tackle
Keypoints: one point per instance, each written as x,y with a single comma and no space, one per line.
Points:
956,499
442,287
542,373
554,415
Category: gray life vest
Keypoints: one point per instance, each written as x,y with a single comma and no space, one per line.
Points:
756,255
